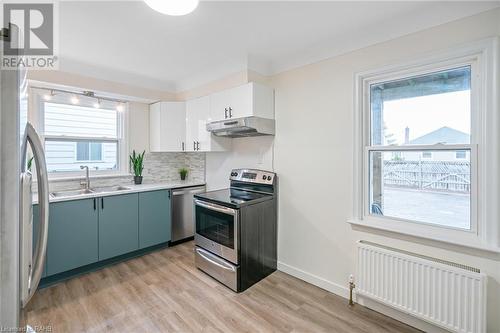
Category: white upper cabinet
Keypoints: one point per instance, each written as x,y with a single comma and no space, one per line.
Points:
251,99
182,126
197,136
167,130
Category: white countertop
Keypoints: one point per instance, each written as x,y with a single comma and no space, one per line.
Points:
131,189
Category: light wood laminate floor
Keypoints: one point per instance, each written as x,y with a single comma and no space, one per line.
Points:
164,292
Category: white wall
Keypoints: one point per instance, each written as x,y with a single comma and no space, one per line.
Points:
314,154
255,153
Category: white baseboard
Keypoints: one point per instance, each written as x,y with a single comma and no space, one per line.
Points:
342,291
332,287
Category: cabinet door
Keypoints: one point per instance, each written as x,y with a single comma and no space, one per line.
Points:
240,101
172,128
72,240
197,116
154,218
167,126
154,127
118,225
36,226
219,103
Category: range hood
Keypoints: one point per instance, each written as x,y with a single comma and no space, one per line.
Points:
242,127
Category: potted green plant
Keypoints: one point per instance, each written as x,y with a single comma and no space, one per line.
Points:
30,163
183,172
137,161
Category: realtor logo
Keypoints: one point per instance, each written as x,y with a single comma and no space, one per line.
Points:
33,45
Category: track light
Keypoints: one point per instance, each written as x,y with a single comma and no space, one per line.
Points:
48,97
74,99
120,107
97,104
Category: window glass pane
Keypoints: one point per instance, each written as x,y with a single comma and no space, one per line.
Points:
64,155
427,109
82,151
80,121
95,151
437,191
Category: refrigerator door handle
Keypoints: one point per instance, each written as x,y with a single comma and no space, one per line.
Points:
38,262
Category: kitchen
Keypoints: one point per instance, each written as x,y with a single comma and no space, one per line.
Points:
263,188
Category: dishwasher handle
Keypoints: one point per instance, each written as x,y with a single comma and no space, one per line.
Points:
190,190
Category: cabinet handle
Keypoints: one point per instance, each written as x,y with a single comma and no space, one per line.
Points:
102,203
225,113
182,146
197,145
194,145
95,205
230,113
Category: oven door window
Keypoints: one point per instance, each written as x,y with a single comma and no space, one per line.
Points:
216,226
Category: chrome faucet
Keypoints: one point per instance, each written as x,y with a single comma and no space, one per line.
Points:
87,178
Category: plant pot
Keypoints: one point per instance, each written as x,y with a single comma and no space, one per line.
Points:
138,180
183,177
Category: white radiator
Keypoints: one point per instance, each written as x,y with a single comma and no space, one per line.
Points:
449,295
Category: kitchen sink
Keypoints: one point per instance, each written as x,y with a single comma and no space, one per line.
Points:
70,193
74,193
110,189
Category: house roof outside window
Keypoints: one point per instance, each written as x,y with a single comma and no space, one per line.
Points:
442,135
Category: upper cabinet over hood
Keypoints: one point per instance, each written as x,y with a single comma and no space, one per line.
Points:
251,99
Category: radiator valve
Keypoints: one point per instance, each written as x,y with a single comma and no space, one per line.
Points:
351,288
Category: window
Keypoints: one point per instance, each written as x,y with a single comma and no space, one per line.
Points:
78,135
89,151
426,148
426,154
461,154
421,111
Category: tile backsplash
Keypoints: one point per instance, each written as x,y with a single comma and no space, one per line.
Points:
158,167
164,167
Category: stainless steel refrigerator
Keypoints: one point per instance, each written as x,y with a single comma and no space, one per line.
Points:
22,254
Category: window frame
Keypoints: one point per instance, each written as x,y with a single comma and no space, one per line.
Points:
482,57
121,140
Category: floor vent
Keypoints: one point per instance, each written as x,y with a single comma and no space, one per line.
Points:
444,293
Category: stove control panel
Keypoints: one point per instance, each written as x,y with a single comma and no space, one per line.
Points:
253,176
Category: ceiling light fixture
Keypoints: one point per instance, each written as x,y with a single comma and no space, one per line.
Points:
173,7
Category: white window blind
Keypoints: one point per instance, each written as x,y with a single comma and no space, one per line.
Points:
80,121
79,135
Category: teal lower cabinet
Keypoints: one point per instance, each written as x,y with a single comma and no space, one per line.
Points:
154,218
118,225
72,239
89,233
36,228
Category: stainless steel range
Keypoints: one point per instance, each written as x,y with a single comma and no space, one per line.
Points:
236,229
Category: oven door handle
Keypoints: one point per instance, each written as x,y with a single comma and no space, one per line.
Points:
207,256
220,209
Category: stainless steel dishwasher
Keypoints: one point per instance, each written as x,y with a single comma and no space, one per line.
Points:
182,212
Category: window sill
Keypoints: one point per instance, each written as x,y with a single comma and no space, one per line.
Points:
475,245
